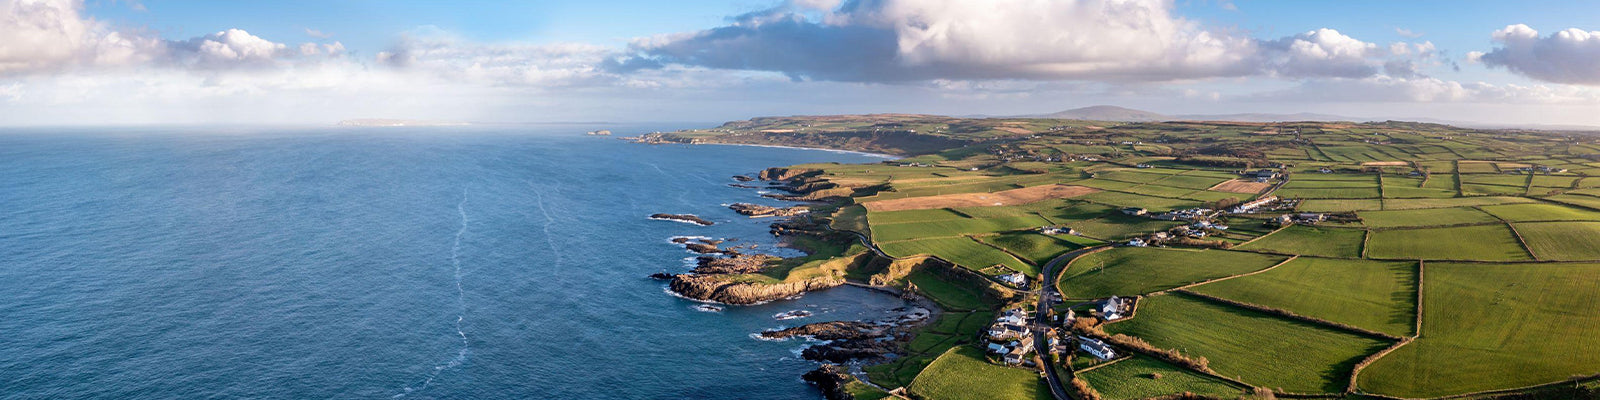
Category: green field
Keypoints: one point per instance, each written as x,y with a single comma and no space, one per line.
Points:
1541,212
1337,205
949,294
1375,295
1036,248
1330,193
1131,271
1142,377
1562,241
1311,241
1500,326
1425,217
1411,204
1257,348
960,250
951,227
1118,226
962,373
1476,243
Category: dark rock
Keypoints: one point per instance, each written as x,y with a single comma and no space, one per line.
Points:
690,218
661,276
846,350
831,380
832,330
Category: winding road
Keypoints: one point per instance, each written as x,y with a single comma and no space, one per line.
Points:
1048,295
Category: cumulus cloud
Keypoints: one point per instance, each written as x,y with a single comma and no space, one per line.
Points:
46,35
909,40
1568,56
1407,33
1391,89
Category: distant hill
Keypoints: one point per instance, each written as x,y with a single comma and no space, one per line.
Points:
1107,113
1124,114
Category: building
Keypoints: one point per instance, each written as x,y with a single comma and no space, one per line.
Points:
1135,211
1142,166
1096,348
1057,230
1111,308
1015,279
1137,242
1252,205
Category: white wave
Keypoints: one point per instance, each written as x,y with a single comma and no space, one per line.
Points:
461,304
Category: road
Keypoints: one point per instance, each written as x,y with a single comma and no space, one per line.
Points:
1047,299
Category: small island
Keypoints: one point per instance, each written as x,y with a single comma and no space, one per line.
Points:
685,218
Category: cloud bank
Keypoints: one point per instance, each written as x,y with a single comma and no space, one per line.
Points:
1568,56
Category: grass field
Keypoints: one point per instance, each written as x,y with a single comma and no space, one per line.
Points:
1330,193
1119,226
1491,327
1257,348
951,227
1376,295
1425,217
948,294
852,218
1541,212
1311,241
1477,243
1411,204
1154,203
1137,270
1143,377
1338,205
1562,241
1037,248
960,250
962,373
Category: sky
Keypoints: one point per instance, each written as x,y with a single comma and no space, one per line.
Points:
116,62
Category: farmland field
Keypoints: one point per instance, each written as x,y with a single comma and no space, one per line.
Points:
1338,205
1411,204
1376,295
959,250
1541,212
1137,270
1142,377
1502,326
1478,243
962,373
1330,193
1037,248
1562,241
1310,240
952,227
1258,348
1425,217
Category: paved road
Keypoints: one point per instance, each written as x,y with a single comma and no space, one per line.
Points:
1047,299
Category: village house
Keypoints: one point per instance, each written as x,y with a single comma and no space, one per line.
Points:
1014,279
1111,309
1096,348
1134,211
1057,230
1137,242
1006,331
1251,206
1142,166
1325,170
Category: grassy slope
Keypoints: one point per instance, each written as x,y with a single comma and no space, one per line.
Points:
1255,347
960,250
962,373
1137,270
1037,248
1562,241
1500,326
1135,378
1376,295
1425,217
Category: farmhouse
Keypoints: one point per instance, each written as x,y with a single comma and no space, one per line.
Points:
1057,230
1142,166
1096,348
1134,211
1014,278
1111,308
1137,242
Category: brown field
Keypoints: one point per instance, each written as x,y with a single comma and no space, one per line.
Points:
1013,129
1011,197
1241,186
1386,164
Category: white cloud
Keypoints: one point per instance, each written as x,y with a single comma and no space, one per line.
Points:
1568,56
1407,33
47,35
1389,89
318,34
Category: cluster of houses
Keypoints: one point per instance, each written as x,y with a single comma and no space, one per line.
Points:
1191,214
1297,218
1009,337
1096,348
1537,169
1252,205
1057,230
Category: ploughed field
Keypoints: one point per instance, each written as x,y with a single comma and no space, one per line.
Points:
1451,261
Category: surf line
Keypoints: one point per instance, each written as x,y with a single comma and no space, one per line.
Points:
461,304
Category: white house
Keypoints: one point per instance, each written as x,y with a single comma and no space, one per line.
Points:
1014,278
1097,348
1136,242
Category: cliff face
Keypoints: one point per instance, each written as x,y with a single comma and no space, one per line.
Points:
719,289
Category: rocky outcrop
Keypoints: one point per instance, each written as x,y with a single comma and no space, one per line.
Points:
831,380
743,178
720,289
690,218
784,174
832,330
846,350
736,264
760,211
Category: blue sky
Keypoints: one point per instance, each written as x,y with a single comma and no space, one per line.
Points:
312,62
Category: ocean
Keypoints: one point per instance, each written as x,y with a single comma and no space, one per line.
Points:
448,262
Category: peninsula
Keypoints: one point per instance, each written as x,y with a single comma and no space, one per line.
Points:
1100,259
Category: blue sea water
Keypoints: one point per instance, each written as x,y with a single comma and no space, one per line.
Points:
379,263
